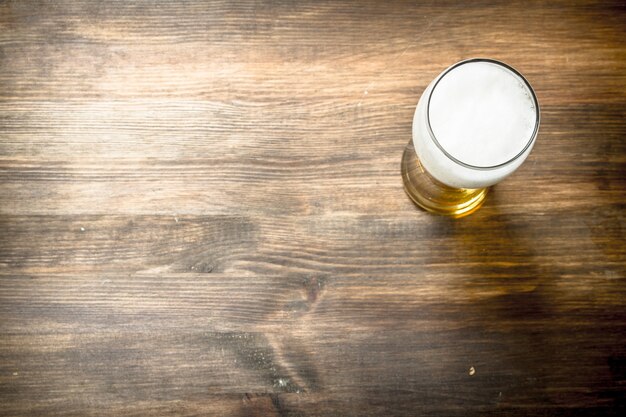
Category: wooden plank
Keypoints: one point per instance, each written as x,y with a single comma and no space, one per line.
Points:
490,242
116,340
252,180
243,303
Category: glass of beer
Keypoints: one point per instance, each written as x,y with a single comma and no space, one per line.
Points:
473,126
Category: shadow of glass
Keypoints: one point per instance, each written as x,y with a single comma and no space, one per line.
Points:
508,299
499,253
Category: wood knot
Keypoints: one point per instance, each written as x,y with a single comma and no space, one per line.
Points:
204,267
313,287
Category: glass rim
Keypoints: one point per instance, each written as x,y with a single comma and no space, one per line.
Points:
515,72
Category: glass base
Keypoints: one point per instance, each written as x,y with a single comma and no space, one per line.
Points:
434,196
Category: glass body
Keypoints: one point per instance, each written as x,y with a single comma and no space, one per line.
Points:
434,175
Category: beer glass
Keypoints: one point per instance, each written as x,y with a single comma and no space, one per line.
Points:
473,126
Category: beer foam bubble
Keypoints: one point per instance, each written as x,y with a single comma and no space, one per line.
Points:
482,114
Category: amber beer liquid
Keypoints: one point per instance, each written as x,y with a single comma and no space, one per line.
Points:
474,125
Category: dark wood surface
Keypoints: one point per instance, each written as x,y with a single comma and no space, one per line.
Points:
201,213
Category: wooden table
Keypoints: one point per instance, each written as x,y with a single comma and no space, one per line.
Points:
201,213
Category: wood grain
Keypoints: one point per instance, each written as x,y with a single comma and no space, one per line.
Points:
201,213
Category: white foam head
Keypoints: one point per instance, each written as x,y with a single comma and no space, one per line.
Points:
475,124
